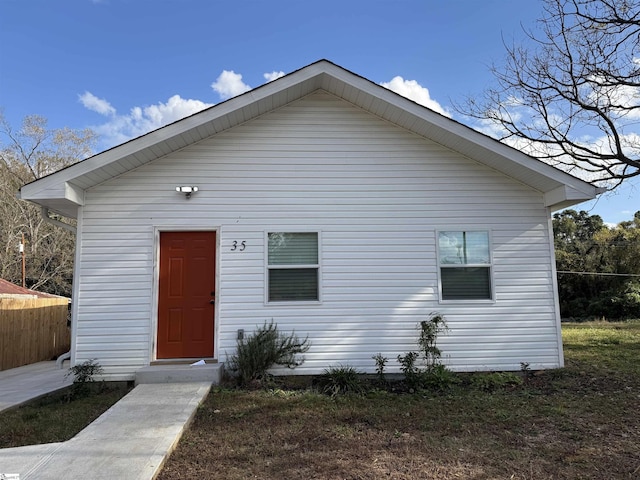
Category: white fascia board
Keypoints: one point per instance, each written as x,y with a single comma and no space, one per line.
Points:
63,201
64,191
566,196
74,194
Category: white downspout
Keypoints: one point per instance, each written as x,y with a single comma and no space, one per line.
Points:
71,228
62,358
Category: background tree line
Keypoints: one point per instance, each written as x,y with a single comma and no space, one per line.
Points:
26,154
598,267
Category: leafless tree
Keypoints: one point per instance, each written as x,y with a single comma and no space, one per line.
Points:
571,93
27,154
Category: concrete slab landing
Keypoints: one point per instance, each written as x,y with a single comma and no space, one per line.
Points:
181,373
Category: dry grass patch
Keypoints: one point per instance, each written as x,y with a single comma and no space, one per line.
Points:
578,422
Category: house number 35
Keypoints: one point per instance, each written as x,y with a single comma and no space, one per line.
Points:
239,246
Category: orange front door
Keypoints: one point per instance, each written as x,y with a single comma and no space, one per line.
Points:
186,295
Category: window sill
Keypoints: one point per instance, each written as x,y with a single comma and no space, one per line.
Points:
467,302
293,303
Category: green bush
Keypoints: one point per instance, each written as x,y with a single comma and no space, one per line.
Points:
617,303
381,362
434,375
409,369
83,376
438,377
490,382
264,349
429,331
340,380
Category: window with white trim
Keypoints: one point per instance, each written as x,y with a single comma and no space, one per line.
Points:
465,265
292,266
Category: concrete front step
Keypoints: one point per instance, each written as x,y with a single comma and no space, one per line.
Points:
210,372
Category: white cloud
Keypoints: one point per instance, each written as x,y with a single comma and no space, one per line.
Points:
620,101
270,77
229,84
141,120
416,92
99,105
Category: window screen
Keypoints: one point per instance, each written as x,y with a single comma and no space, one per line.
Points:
293,266
465,265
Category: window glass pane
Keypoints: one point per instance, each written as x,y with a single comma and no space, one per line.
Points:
293,248
463,248
477,245
466,283
293,284
450,247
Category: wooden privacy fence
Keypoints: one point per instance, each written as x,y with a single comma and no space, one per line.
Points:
32,330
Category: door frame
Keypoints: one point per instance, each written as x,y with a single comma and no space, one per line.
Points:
153,337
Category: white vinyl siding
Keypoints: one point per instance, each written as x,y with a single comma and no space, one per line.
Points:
378,194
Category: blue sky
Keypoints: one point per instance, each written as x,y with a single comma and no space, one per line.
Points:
123,67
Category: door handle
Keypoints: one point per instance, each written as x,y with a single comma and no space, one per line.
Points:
212,301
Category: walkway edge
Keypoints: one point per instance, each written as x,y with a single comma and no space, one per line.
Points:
194,404
130,440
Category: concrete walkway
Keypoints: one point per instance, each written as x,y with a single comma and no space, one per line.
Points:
130,440
19,385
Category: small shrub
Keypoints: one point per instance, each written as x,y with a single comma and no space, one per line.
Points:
410,369
429,331
340,381
83,376
527,374
434,375
438,377
490,382
381,362
264,349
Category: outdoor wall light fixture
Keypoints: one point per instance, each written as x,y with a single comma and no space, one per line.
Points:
187,190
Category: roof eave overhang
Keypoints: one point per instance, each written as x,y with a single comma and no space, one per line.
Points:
559,188
64,201
566,196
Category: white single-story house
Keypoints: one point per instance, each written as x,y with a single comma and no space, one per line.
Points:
327,204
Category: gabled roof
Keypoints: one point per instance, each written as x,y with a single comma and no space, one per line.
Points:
63,191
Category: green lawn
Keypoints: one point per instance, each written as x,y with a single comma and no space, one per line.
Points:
57,417
582,421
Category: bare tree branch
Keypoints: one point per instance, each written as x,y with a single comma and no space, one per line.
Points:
571,95
25,155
